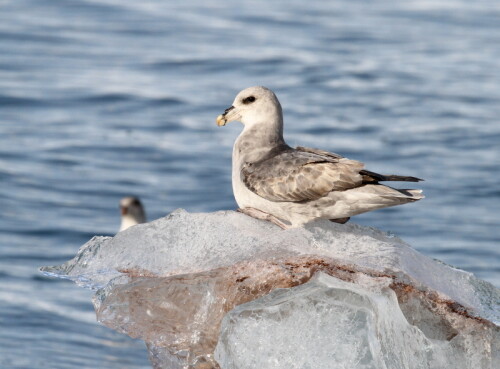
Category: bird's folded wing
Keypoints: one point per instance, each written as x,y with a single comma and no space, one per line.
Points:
301,175
326,154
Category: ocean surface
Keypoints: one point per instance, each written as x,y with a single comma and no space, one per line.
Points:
100,99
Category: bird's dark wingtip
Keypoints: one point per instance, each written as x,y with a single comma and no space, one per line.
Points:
413,179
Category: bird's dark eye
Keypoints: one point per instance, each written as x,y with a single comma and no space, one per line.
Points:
248,100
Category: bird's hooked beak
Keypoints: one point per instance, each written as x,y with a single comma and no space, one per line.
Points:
230,114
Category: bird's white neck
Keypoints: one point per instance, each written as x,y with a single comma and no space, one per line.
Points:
129,221
258,139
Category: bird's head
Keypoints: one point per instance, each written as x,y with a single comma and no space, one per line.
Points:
252,106
132,212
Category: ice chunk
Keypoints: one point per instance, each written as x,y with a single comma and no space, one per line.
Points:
171,282
189,243
329,323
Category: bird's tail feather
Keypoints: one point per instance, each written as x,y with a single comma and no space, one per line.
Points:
414,194
399,195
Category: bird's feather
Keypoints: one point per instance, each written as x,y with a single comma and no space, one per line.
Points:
301,174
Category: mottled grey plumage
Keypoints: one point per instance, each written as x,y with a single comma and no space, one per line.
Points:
300,175
302,184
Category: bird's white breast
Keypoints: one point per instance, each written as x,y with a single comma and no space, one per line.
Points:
245,198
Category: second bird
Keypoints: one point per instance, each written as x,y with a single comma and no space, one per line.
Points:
132,212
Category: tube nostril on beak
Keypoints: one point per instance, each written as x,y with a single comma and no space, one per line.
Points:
228,110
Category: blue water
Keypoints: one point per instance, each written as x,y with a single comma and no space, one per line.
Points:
104,98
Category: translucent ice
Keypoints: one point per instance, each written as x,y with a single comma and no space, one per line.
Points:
329,323
172,281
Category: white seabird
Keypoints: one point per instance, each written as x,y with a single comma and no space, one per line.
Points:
276,182
132,212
